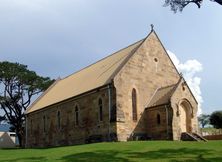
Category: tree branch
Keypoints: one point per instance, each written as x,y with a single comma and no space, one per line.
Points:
218,1
19,85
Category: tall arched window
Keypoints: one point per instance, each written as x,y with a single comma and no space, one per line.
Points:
158,119
58,119
134,104
31,130
44,124
76,115
100,103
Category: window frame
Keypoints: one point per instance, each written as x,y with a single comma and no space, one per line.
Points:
76,114
134,104
44,123
158,119
58,119
100,110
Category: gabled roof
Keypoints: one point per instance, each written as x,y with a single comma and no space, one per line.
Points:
89,78
162,96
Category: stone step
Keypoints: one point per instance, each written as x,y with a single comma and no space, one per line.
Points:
199,137
185,136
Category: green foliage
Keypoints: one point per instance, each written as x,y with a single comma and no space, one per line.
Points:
154,151
179,5
216,119
204,120
2,118
22,79
17,86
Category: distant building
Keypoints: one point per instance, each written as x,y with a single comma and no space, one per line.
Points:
7,139
134,94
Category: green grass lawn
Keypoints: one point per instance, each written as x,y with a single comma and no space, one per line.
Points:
121,152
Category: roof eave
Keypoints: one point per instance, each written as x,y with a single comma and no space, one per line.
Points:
73,97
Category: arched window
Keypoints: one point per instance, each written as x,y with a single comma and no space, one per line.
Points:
158,119
100,103
31,130
76,115
134,104
44,124
58,119
113,114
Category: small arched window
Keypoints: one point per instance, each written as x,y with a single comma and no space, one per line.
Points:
58,119
44,124
158,119
31,129
100,104
134,104
76,115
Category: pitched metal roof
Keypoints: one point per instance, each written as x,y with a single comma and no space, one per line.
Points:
89,78
162,96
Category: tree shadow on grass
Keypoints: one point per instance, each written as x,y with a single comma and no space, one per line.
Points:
97,156
171,155
177,155
200,159
28,159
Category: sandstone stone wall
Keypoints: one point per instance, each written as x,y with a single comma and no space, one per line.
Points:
148,69
161,129
183,94
69,132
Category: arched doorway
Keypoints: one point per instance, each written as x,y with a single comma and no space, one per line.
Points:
185,110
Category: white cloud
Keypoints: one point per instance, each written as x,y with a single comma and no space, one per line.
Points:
189,69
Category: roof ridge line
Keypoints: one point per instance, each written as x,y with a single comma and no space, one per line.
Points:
102,59
128,57
111,66
170,92
168,86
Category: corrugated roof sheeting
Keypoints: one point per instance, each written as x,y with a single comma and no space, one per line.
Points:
89,78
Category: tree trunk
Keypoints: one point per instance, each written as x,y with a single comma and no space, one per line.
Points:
203,125
20,135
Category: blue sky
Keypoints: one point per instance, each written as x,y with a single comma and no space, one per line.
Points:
58,37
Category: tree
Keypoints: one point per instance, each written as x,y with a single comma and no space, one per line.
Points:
179,5
204,120
17,87
216,119
2,119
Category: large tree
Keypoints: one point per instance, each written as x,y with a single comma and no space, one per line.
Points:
2,119
17,87
204,120
216,119
179,5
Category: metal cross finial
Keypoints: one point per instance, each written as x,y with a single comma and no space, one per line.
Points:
152,26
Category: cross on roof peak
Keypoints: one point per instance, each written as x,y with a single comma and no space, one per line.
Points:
152,26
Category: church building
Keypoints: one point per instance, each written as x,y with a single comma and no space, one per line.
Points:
134,94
